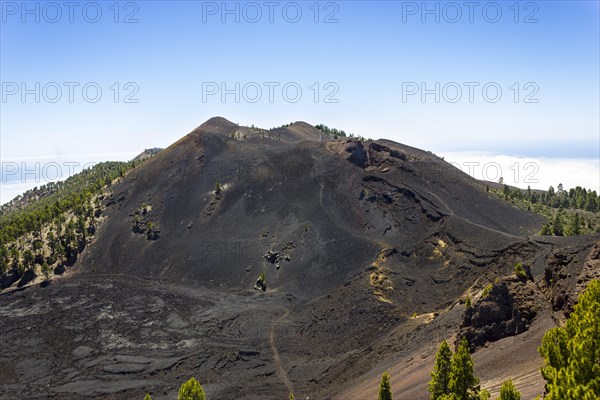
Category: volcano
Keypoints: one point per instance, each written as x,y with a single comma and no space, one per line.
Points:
270,262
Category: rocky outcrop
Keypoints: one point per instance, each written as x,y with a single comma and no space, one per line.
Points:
272,256
565,277
506,310
275,257
557,277
368,154
143,223
356,154
590,270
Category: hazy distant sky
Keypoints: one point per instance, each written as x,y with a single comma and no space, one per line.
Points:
372,57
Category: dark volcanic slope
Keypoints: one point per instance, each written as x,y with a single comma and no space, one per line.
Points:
362,235
325,201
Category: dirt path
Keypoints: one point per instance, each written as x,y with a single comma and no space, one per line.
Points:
451,211
280,370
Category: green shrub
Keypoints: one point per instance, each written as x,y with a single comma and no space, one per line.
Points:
486,290
546,230
261,282
520,271
191,390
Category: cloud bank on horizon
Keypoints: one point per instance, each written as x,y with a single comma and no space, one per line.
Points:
537,173
19,176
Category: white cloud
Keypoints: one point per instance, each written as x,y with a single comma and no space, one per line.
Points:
9,191
539,173
17,175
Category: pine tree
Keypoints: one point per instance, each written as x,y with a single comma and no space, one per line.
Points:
508,391
557,228
20,268
463,382
15,257
385,388
440,376
28,259
46,270
3,259
576,225
591,202
191,390
572,353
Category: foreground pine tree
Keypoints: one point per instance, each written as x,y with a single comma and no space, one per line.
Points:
508,391
463,383
572,354
440,376
385,388
191,390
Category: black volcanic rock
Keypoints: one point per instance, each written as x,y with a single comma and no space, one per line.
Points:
507,310
567,274
366,234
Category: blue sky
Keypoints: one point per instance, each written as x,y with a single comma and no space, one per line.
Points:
369,57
